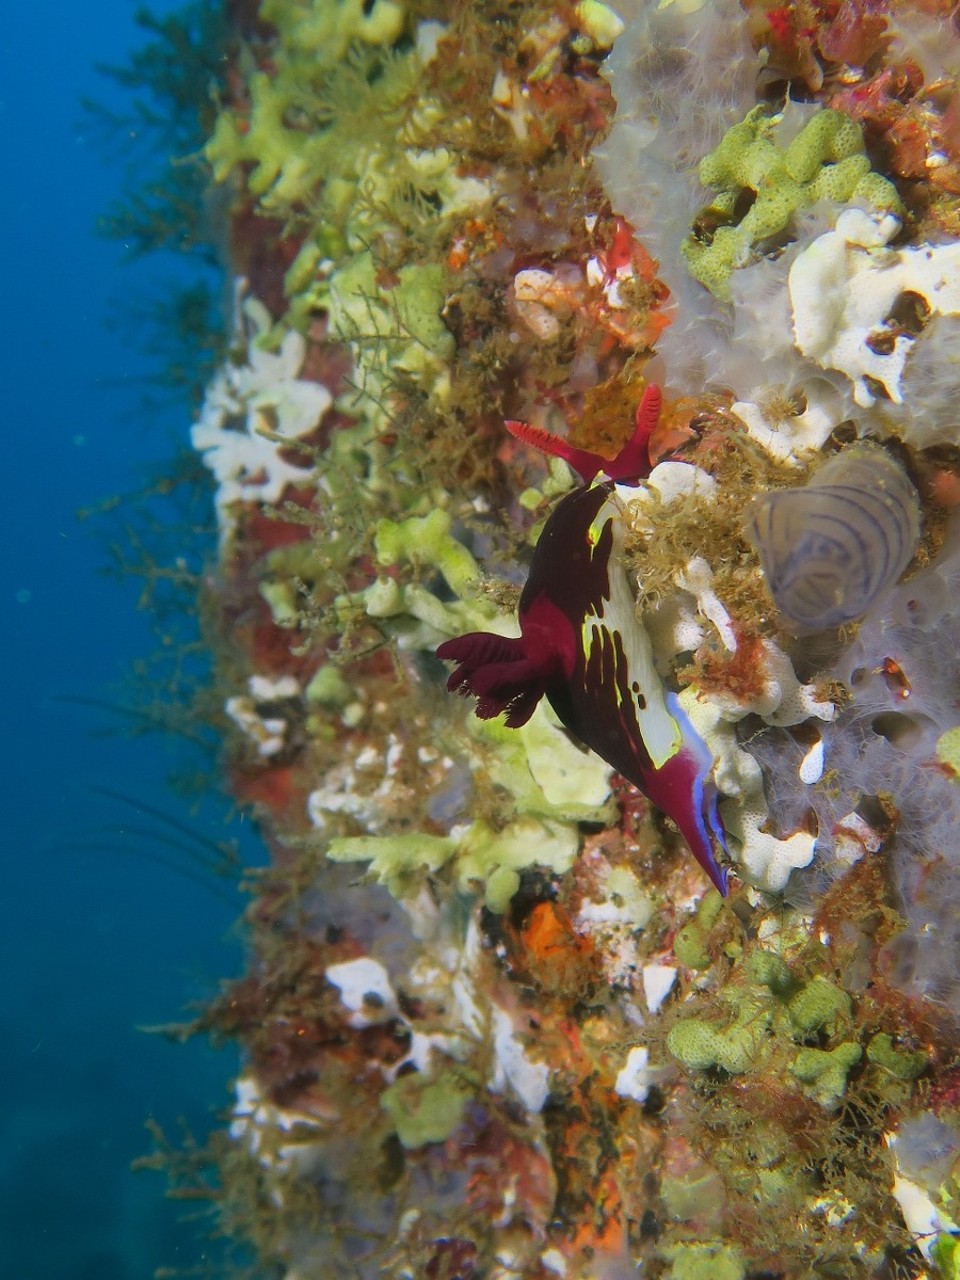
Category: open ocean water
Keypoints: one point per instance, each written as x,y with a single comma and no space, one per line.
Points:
96,940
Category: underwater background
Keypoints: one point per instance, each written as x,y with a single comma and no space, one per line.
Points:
97,941
280,272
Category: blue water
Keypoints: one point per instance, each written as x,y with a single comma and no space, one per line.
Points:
94,943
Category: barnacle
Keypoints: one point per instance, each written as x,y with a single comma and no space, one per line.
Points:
830,548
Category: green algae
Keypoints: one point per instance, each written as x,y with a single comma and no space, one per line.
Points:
900,1063
771,970
427,541
790,1076
495,858
946,1254
329,688
824,161
770,1013
425,1110
395,861
948,752
705,1261
545,773
690,945
484,856
323,31
819,1006
392,331
826,1071
286,139
417,616
331,140
699,1046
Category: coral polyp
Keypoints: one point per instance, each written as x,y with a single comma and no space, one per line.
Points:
496,1022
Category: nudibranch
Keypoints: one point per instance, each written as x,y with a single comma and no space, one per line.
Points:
583,648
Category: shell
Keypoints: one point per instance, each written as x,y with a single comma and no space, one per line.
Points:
832,547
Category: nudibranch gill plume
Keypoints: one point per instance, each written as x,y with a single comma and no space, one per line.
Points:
584,649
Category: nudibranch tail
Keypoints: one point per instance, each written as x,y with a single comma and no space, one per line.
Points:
684,789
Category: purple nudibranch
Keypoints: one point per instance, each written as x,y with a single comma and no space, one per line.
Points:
583,648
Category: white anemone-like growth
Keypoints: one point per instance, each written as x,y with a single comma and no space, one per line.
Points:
251,409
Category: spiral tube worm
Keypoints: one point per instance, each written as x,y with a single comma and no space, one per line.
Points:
832,547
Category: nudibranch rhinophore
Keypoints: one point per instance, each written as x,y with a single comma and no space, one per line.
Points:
583,647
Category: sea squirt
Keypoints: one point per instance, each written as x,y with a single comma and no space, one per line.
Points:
583,648
832,547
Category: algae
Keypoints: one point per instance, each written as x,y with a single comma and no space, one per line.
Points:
761,184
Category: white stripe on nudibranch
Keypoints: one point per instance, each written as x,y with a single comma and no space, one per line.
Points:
660,731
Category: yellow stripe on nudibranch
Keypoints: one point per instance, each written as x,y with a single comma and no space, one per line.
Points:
597,525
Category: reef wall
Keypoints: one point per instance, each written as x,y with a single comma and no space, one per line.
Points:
496,1021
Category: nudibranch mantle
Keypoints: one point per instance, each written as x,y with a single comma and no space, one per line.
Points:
583,648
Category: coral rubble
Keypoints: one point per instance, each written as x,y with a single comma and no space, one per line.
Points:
495,1022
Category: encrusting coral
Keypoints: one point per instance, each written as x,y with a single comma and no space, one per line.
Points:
495,1021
